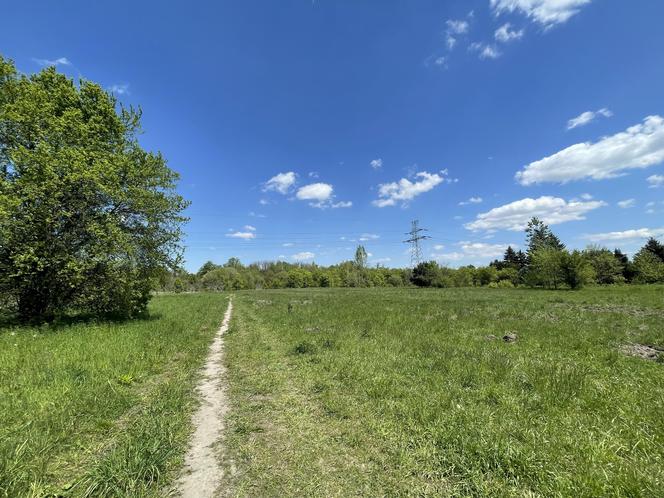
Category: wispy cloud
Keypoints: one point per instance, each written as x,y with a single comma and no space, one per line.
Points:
376,163
242,235
60,61
655,181
634,234
627,203
119,89
506,34
303,256
547,13
484,50
472,200
587,117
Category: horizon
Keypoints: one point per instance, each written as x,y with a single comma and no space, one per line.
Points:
303,129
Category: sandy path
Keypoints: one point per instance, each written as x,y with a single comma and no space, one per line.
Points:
202,473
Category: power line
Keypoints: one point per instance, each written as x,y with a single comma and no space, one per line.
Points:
414,241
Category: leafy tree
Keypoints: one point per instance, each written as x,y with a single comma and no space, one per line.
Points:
425,273
648,267
540,236
608,269
575,269
655,247
208,266
88,219
361,257
545,269
627,266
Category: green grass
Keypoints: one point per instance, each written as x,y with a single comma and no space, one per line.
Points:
102,409
381,392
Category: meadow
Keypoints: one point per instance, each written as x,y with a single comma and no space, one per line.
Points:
394,392
102,408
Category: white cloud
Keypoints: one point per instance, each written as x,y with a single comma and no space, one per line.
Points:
472,200
60,61
119,89
315,192
485,50
450,41
546,12
634,234
405,190
303,256
341,204
515,215
586,197
457,27
471,251
505,34
586,117
369,236
263,202
438,247
639,146
287,244
280,183
250,228
376,163
627,203
655,181
377,261
241,235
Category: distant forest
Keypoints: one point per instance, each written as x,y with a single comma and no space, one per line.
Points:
546,263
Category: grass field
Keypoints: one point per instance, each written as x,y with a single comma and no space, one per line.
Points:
102,409
382,392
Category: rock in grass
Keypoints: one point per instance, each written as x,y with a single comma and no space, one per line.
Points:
510,337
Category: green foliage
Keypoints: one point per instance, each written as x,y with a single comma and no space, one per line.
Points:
648,266
361,257
425,274
608,269
540,236
88,219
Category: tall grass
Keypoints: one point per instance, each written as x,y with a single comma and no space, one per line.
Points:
380,392
102,409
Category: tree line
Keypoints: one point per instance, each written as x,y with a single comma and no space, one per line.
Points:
545,263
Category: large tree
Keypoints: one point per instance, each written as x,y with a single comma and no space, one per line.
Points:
88,218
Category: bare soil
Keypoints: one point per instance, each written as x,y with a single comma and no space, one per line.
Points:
202,473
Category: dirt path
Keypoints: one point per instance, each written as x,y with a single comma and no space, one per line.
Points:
202,473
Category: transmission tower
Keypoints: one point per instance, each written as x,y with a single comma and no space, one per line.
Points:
414,241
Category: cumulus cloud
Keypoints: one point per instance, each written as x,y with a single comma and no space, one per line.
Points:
60,61
485,50
405,190
547,13
250,228
627,203
587,117
241,235
655,181
376,163
634,234
472,200
506,34
638,147
280,183
473,251
303,256
315,192
515,215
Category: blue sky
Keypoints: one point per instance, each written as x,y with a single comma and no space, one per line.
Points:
302,127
